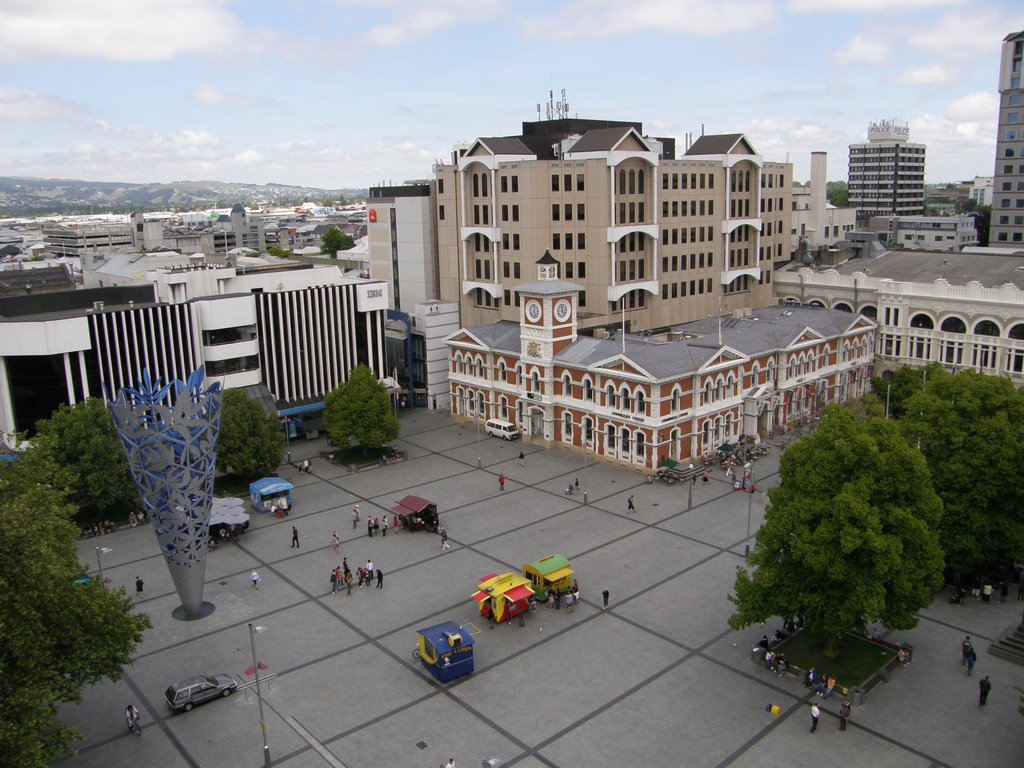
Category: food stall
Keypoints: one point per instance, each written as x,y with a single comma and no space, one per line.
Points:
416,513
547,574
270,494
499,598
445,650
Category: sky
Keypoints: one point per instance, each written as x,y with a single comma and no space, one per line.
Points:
343,94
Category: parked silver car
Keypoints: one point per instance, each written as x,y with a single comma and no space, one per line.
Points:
186,694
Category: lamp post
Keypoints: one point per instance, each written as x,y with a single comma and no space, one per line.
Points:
253,631
100,551
748,478
690,482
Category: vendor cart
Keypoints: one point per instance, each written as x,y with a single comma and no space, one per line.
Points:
500,598
446,650
416,514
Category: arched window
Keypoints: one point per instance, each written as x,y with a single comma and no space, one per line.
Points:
730,386
503,408
921,320
609,439
588,390
632,182
622,182
673,444
501,371
519,376
641,446
706,434
588,432
816,303
842,307
719,389
728,425
479,367
481,411
953,325
566,386
770,379
534,382
1017,332
459,405
717,431
986,328
476,185
567,426
870,312
707,392
640,181
675,399
483,184
624,437
457,363
624,398
755,374
609,396
641,403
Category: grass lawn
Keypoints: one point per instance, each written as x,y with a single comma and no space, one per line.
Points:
231,485
858,660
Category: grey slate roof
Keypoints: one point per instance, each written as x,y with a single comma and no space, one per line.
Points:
714,144
768,329
600,139
548,286
505,145
991,270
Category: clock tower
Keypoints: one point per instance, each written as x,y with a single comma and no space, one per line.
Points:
547,315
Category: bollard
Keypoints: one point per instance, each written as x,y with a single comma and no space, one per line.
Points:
584,497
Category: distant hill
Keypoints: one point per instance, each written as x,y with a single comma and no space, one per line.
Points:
35,197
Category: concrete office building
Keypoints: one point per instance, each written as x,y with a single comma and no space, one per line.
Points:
816,222
403,242
981,190
1007,225
931,233
646,235
963,310
287,333
886,175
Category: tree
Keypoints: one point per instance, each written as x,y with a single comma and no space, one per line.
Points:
250,442
279,253
970,429
982,221
56,636
850,536
360,409
83,440
335,240
837,193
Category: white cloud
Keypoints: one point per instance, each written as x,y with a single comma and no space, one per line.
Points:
120,30
865,6
18,106
601,19
862,50
248,157
416,19
85,149
208,96
936,74
980,106
964,36
186,144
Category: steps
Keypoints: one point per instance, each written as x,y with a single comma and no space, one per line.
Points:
1010,645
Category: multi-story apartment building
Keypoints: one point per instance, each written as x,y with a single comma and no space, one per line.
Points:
886,175
981,190
963,310
641,399
651,239
1008,190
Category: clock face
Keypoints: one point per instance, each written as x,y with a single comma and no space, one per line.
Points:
562,311
533,311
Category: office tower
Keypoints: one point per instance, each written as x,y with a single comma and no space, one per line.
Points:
886,175
1008,191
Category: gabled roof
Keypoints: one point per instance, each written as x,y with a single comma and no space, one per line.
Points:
604,139
501,145
503,335
721,144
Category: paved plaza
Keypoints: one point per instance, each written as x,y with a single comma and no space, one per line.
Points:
658,679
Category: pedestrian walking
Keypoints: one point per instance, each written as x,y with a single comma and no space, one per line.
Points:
971,658
334,581
522,459
138,586
380,579
384,528
355,517
369,571
576,485
348,582
965,648
522,622
335,541
255,579
501,482
984,686
295,536
604,598
815,714
630,506
569,602
395,521
844,714
369,526
706,477
444,540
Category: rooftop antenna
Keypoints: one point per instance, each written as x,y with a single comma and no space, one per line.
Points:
556,110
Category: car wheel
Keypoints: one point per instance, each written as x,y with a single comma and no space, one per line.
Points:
226,692
187,707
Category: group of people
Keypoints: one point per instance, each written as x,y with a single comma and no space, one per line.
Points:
572,598
341,576
374,524
822,685
98,529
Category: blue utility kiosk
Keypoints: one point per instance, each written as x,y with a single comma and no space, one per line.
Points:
446,650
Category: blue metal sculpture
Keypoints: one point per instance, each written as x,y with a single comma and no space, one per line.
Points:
169,434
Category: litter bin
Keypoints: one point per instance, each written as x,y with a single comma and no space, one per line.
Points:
757,654
857,697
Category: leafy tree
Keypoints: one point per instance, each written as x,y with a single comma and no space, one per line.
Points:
982,221
279,252
335,240
970,429
849,537
56,636
83,440
360,409
837,193
250,441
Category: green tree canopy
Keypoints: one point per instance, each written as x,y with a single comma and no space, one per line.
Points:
250,442
849,537
56,636
279,253
360,410
837,193
970,429
82,439
335,240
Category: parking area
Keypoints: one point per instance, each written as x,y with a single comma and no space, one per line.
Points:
656,679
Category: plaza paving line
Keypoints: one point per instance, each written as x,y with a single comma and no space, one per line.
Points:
958,628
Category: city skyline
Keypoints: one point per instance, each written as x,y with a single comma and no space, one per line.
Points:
334,93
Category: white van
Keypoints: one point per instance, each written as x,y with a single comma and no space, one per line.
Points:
503,429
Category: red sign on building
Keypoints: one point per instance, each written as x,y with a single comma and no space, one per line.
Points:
373,215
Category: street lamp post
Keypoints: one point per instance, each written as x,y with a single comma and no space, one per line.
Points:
689,492
748,478
100,551
253,631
